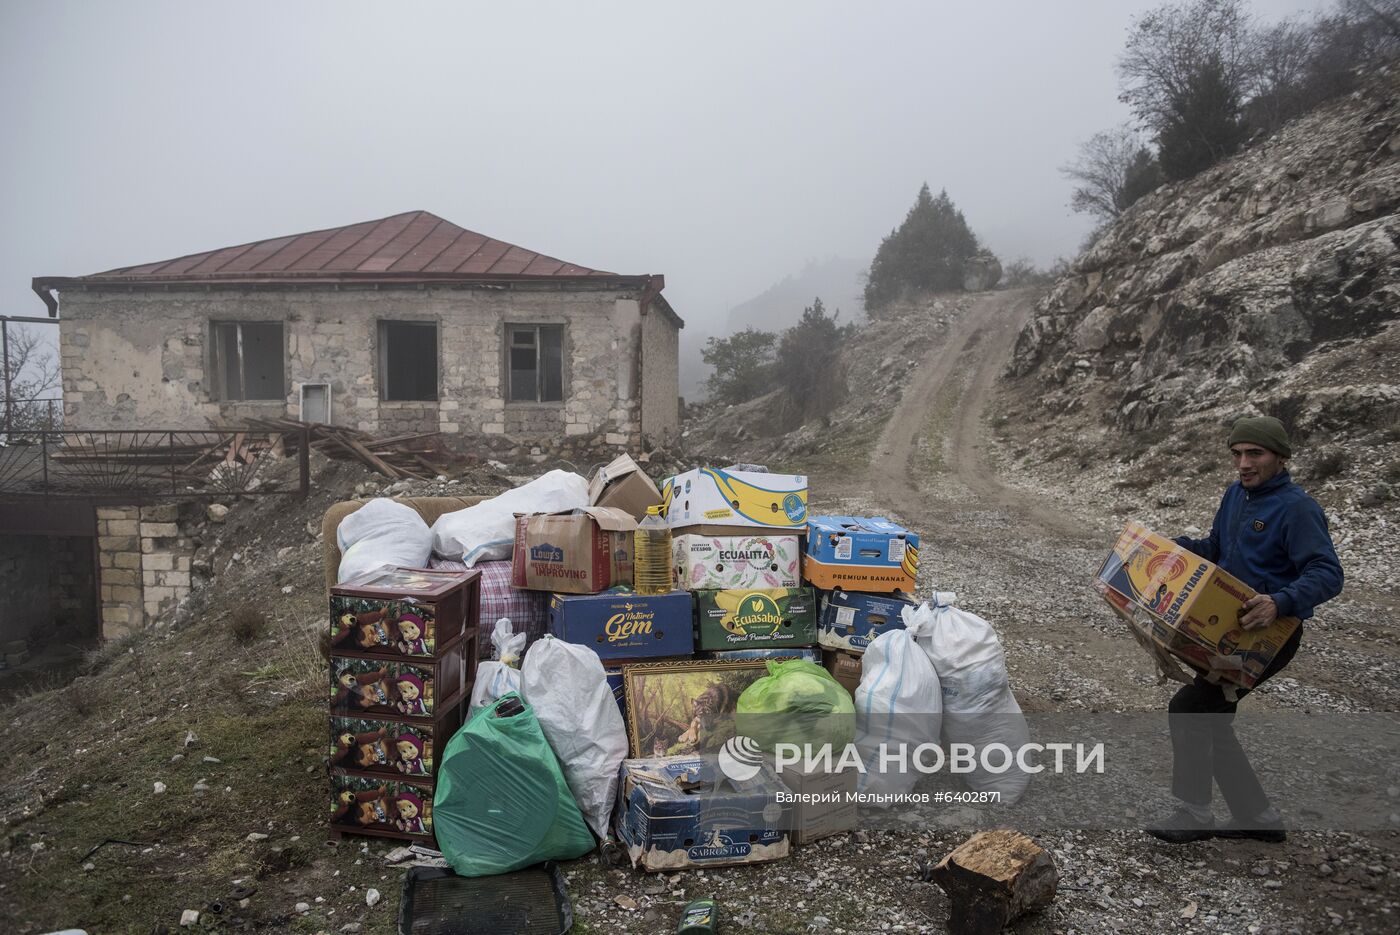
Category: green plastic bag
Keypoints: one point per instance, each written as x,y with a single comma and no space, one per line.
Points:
796,702
501,801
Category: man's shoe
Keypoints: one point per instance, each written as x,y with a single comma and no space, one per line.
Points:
1182,827
1256,829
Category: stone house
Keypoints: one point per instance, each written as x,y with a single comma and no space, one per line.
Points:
404,324
408,323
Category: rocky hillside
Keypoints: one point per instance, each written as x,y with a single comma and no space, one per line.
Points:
877,365
1268,284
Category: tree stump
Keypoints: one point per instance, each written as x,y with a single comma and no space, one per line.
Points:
993,878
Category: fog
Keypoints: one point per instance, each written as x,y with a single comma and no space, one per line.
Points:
723,145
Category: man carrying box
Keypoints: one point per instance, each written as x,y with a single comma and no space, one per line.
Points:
1273,537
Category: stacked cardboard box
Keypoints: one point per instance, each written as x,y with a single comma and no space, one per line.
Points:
737,547
864,569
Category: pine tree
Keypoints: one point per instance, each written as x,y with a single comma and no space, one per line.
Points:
809,365
926,253
1202,126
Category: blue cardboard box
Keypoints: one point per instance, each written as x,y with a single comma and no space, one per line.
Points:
625,625
857,553
682,811
850,620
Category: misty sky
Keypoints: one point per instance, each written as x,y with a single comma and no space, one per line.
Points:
723,145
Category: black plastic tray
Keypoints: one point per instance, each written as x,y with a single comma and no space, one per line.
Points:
532,901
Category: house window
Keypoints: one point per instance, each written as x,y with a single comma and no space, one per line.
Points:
248,358
535,358
408,360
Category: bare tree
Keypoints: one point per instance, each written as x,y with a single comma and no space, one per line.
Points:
1113,170
1171,46
1284,54
34,380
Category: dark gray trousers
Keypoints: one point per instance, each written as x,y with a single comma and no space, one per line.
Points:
1206,748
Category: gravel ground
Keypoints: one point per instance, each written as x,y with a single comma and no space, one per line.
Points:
1019,547
1017,541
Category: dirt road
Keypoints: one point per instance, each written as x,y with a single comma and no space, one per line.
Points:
943,412
1023,561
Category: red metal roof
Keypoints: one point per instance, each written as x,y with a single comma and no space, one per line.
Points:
399,247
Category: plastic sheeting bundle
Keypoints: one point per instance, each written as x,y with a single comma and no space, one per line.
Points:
485,531
978,706
382,532
568,689
501,801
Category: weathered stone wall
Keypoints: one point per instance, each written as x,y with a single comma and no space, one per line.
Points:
142,358
165,559
119,570
72,588
144,565
24,581
661,377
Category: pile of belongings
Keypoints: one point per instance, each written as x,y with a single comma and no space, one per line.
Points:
602,712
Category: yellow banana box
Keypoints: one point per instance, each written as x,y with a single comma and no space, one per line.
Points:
755,617
1188,606
713,497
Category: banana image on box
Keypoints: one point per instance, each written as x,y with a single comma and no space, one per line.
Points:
709,496
755,617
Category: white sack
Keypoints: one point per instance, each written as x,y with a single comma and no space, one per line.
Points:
898,702
499,676
566,685
978,706
485,531
382,532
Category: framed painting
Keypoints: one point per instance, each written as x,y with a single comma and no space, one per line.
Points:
683,708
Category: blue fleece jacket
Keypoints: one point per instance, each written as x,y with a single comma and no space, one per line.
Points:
1275,540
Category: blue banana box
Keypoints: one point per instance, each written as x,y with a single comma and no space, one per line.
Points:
682,811
850,620
860,553
625,625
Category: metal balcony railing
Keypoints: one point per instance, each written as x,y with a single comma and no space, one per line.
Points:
136,466
42,413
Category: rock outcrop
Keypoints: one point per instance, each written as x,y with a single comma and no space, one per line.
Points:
1251,287
981,272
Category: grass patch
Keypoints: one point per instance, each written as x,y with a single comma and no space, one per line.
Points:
1329,464
247,624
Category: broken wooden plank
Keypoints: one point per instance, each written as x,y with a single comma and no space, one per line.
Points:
233,447
993,878
371,458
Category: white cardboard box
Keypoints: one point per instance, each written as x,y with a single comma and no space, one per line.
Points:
712,497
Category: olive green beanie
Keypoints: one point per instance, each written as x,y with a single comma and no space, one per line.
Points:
1264,431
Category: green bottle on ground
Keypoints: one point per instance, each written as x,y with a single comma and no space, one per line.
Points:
652,571
699,918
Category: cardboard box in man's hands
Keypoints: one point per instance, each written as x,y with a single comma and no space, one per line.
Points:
1187,606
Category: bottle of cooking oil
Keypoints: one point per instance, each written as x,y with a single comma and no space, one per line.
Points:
651,561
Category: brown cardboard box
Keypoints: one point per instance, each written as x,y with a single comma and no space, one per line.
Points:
817,819
1180,603
844,667
573,552
625,486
